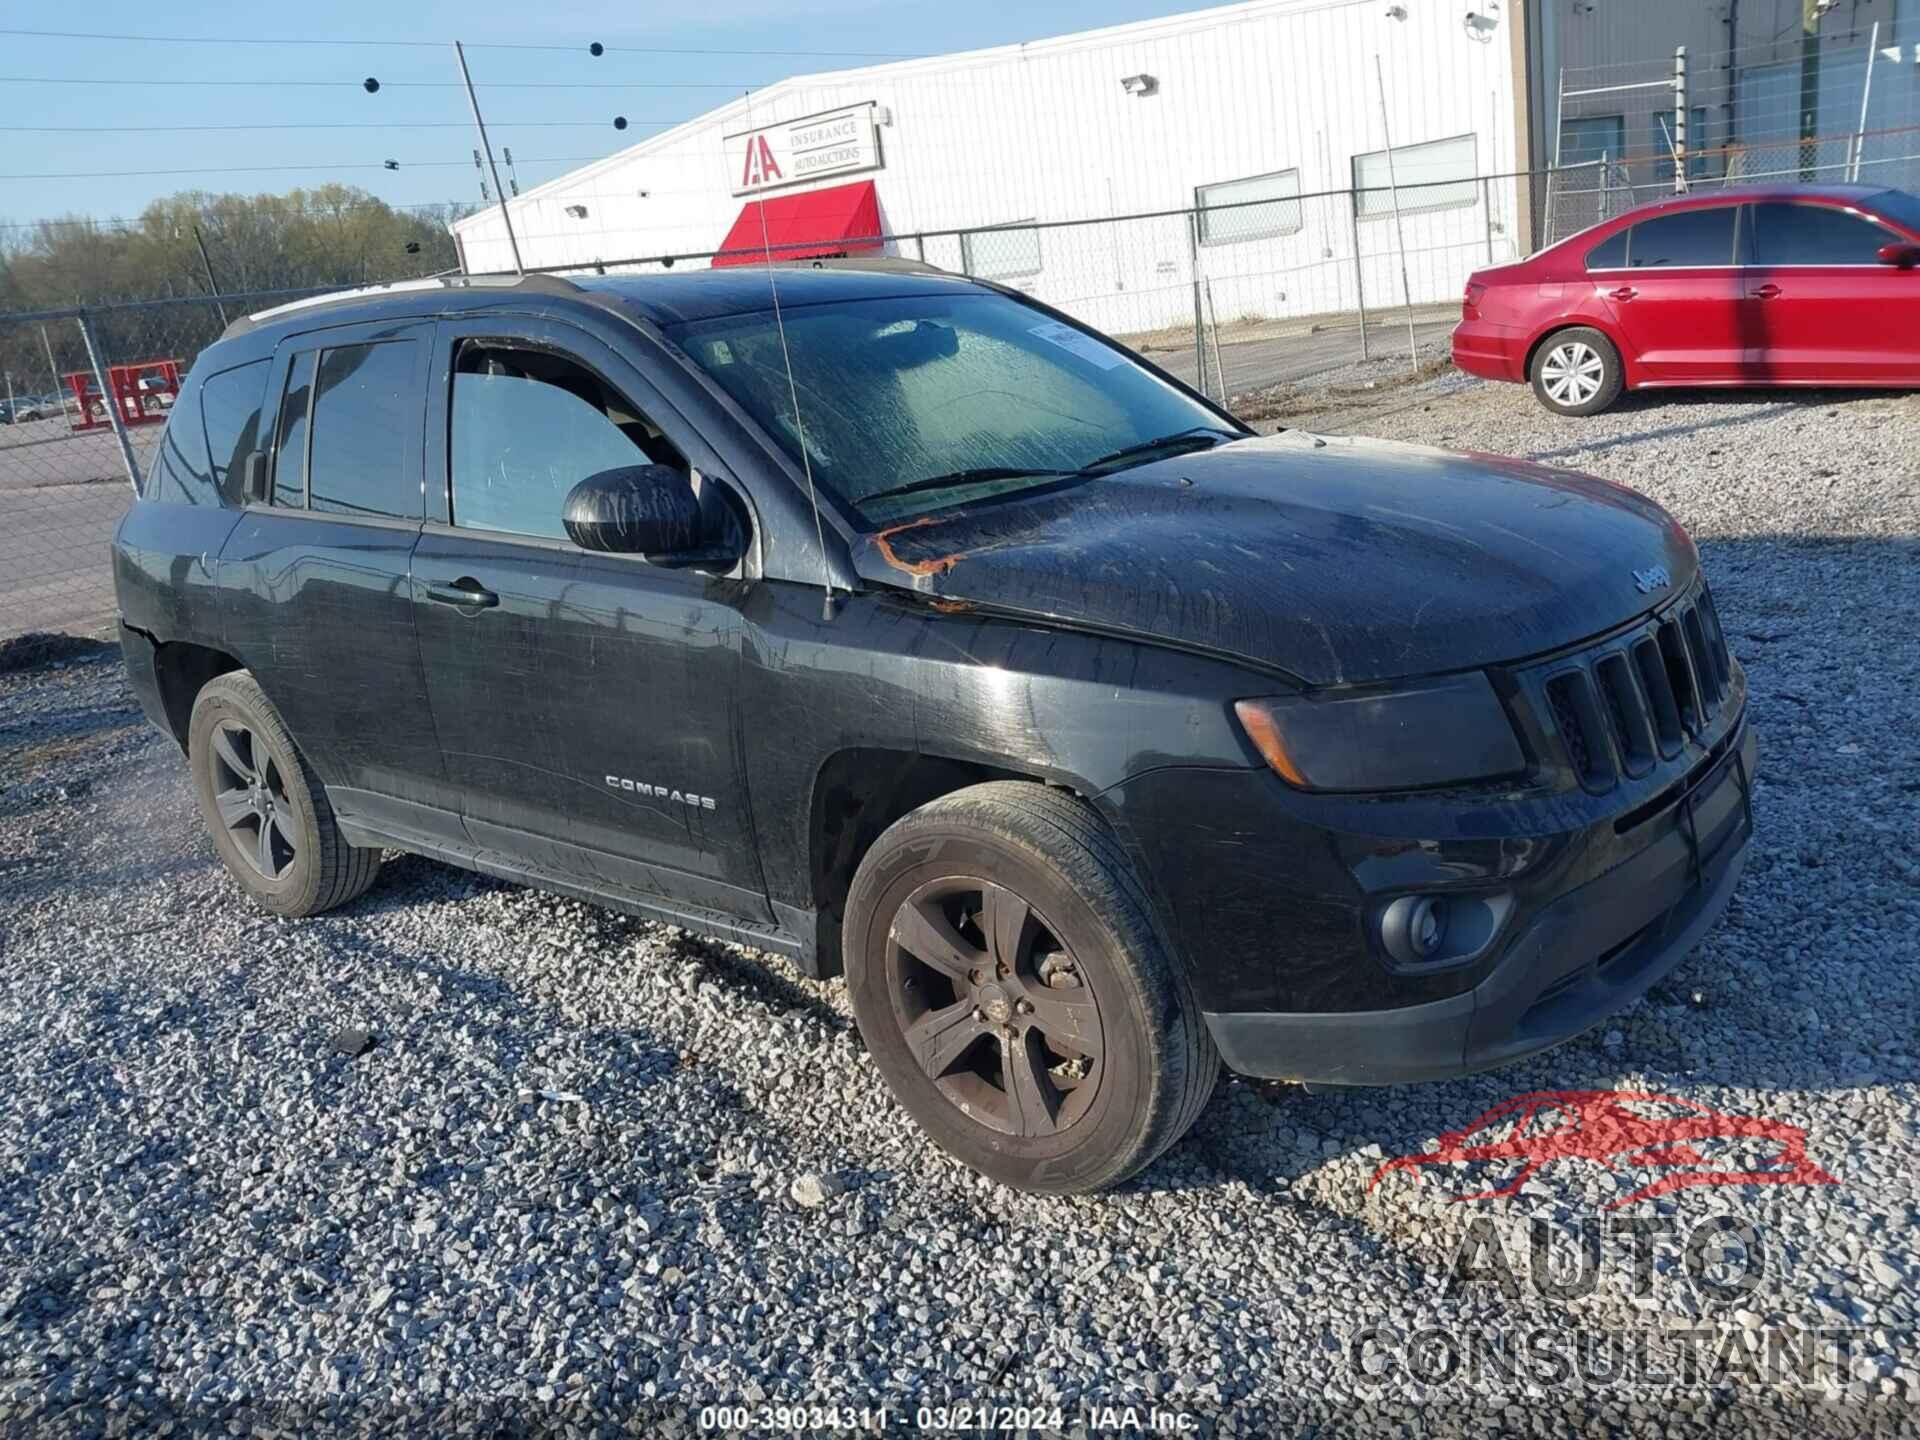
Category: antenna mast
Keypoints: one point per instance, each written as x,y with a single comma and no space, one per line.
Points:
793,393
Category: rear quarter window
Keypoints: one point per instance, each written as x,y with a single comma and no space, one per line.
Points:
202,452
1610,253
230,404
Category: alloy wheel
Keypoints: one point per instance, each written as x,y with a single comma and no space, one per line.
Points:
251,796
1573,373
994,1008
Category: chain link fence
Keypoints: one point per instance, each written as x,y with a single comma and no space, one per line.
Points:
1797,109
86,394
1236,299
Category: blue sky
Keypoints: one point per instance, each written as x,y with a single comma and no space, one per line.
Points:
419,85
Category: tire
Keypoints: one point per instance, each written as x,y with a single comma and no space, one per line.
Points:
1114,1063
234,737
1584,369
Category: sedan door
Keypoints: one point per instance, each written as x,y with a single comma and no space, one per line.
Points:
314,576
1825,308
1676,300
585,702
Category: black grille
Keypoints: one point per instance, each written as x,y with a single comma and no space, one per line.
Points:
1628,702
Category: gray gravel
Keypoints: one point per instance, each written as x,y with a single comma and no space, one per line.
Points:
595,1171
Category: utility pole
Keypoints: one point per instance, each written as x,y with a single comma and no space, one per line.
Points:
213,286
506,217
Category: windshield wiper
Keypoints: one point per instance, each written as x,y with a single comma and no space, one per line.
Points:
1196,437
960,477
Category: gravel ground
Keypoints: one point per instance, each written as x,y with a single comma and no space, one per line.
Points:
594,1172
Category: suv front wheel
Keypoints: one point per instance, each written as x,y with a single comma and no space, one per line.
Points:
270,822
1012,988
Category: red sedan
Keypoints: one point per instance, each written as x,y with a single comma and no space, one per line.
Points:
1785,285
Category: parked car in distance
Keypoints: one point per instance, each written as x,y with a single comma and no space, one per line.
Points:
1094,738
23,408
1780,285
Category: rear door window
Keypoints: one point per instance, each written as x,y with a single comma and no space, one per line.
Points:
365,455
1786,234
1690,238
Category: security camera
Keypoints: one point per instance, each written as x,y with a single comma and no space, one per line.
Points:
1139,85
1396,12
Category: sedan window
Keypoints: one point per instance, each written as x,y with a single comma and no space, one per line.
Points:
1686,238
935,400
1815,235
1610,253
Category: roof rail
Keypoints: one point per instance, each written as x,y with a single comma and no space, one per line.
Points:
550,284
900,263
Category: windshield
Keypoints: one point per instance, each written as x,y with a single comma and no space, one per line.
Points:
939,399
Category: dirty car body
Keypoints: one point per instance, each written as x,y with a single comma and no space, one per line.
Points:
1301,680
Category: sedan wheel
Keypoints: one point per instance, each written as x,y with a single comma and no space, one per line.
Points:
1577,372
1573,372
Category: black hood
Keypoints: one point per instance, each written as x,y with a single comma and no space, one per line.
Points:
1334,560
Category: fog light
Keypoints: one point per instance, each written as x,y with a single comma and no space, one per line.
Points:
1414,928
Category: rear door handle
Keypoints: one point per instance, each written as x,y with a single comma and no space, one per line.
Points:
1765,292
1625,292
466,592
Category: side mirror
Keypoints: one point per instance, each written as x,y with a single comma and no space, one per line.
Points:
254,477
1900,253
656,512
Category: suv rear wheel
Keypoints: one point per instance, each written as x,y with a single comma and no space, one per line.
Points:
270,822
1577,372
1011,986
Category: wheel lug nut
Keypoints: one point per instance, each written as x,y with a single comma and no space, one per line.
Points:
1026,1007
978,1013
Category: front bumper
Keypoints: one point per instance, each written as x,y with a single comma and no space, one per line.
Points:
1586,955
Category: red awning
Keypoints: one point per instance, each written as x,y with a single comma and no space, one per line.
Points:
840,220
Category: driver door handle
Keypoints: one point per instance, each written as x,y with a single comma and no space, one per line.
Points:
466,592
1765,292
1625,292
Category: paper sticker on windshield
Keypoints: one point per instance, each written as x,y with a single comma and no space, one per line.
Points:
1085,346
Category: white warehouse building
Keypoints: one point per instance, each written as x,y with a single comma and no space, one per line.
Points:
982,153
1273,117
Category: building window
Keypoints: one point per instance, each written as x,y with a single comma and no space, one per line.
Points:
1003,253
1438,175
1245,217
1595,137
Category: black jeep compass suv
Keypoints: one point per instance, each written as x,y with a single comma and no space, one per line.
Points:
914,630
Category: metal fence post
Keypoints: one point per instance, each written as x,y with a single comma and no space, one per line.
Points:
1866,94
1486,209
1199,325
1399,229
110,402
1680,120
1359,270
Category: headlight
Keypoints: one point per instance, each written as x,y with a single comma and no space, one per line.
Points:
1431,732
